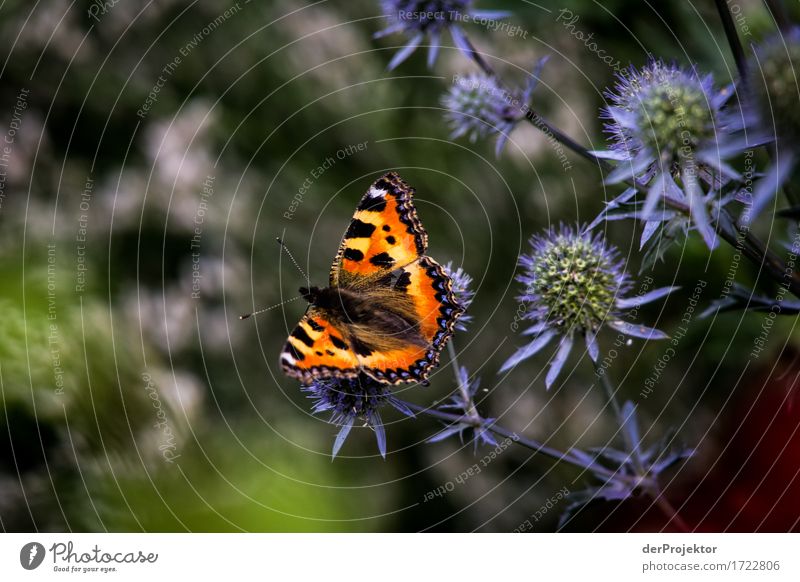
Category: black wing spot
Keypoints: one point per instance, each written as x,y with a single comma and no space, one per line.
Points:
338,342
359,229
387,228
391,240
376,204
318,353
382,184
382,260
403,281
353,255
294,352
301,334
314,325
330,353
360,348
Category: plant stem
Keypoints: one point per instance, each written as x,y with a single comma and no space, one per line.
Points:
548,128
733,40
611,393
779,14
667,509
480,61
743,239
469,403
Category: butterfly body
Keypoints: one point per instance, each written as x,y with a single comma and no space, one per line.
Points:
388,310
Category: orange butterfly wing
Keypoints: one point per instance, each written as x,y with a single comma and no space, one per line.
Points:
383,235
316,348
430,289
381,257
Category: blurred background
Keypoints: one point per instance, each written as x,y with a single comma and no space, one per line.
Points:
154,151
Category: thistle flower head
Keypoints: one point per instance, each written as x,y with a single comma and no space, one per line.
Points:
575,283
663,109
430,19
669,131
477,106
352,399
462,289
773,79
572,278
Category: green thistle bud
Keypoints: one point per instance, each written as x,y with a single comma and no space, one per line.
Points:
575,282
575,278
670,110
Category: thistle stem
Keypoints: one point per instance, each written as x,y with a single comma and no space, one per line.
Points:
611,393
482,63
779,14
546,127
668,510
733,40
469,403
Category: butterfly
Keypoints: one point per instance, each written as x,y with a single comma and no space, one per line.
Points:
388,309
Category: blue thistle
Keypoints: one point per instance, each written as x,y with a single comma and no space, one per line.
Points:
420,19
478,106
462,289
668,130
575,283
624,474
352,399
774,112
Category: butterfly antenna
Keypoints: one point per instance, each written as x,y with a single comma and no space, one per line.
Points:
245,316
296,264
